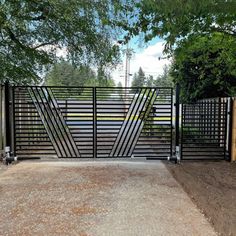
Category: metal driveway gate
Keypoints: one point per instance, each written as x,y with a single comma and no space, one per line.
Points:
204,129
90,122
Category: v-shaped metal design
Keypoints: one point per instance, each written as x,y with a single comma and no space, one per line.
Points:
134,121
54,122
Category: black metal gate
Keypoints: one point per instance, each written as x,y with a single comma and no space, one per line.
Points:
92,122
204,129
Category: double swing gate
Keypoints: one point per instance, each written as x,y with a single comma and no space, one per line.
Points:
78,122
90,122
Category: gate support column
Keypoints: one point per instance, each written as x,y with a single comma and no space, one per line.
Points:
9,120
177,147
7,114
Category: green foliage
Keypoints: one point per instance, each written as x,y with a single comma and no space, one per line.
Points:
139,79
205,66
64,74
33,31
174,20
164,80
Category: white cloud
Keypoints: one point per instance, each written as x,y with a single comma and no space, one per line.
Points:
148,59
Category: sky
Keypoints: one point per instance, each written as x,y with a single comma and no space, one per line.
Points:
146,57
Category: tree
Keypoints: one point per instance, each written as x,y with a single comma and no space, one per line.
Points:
139,79
164,80
205,66
119,85
150,81
175,20
33,31
65,74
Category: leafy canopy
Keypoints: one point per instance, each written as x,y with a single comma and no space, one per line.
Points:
205,66
174,20
33,31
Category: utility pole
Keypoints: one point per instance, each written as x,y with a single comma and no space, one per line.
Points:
128,55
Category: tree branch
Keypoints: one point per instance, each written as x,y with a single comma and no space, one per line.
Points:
14,38
44,44
38,18
225,31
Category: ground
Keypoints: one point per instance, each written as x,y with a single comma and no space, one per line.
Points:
212,186
95,199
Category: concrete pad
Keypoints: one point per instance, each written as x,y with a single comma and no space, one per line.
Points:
96,198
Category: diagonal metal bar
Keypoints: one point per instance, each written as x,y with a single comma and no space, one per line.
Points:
146,111
46,122
140,102
118,142
135,124
62,124
54,118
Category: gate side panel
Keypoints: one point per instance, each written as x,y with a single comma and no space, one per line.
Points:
203,131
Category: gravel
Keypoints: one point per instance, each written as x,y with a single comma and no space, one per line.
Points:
96,198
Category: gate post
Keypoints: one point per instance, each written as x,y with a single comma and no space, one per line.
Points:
9,129
7,114
177,147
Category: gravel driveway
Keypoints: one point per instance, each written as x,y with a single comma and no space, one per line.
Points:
96,199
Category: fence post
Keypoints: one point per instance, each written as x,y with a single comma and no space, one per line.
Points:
177,147
233,134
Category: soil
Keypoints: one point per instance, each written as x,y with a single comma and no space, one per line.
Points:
212,186
3,167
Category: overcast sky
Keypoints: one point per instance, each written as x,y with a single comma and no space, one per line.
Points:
146,57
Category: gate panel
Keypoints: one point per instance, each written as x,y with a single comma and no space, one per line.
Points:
53,122
92,122
204,129
134,122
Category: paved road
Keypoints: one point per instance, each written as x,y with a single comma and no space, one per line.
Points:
96,199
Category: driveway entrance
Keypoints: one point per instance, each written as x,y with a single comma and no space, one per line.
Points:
96,198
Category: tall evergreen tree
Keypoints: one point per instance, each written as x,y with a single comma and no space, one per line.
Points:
139,79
